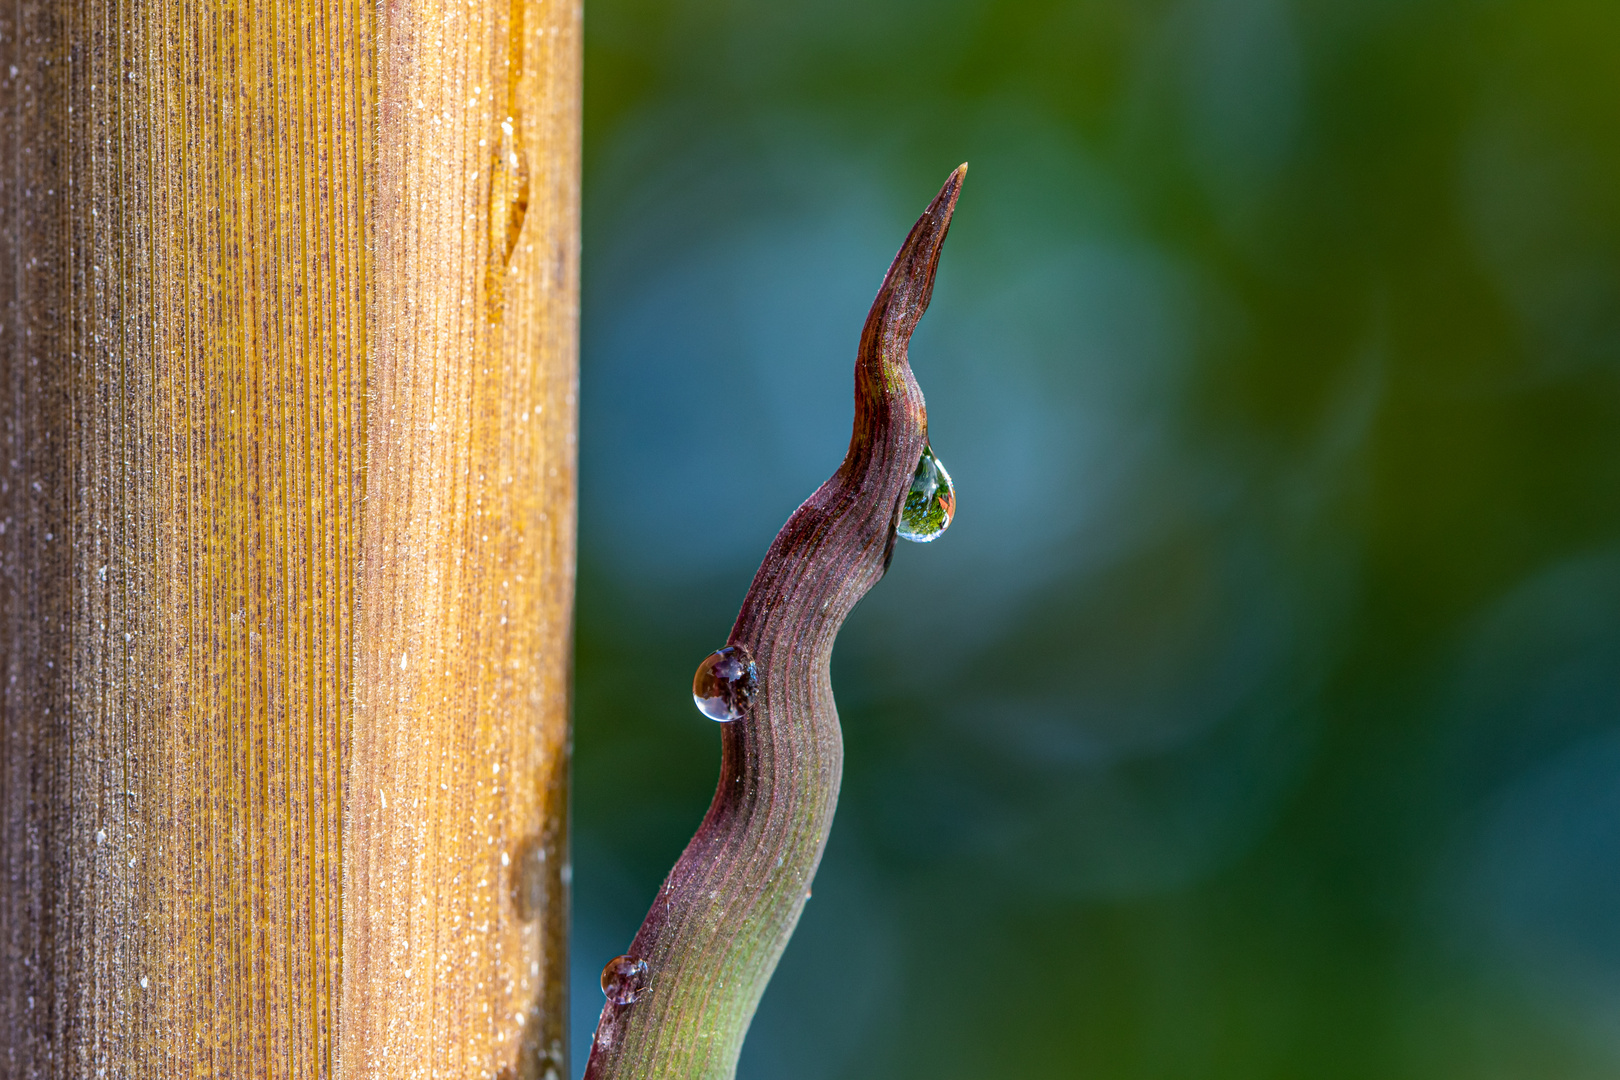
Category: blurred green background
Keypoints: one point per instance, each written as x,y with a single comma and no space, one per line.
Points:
1259,716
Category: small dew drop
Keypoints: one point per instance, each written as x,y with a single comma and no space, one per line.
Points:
931,502
624,979
725,683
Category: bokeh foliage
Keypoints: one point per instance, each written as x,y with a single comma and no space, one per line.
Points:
1260,714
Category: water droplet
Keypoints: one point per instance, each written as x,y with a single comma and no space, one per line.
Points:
725,683
931,502
624,979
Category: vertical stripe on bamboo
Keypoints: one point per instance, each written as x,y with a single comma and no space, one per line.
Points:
457,847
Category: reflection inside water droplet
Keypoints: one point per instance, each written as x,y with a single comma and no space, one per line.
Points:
624,979
931,502
725,683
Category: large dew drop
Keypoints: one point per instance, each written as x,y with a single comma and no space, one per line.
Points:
931,502
725,683
624,979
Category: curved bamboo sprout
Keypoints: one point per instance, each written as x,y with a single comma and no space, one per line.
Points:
727,909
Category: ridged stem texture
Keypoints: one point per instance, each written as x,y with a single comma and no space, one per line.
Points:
724,914
287,317
455,872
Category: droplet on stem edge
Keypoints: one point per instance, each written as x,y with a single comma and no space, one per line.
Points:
725,682
624,979
931,502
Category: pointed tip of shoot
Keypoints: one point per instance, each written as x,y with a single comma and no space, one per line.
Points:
908,287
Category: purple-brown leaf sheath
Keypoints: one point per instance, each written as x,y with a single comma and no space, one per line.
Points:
727,909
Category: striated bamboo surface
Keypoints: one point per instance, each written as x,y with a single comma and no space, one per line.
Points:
276,356
457,876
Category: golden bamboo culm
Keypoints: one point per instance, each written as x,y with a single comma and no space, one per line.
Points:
288,322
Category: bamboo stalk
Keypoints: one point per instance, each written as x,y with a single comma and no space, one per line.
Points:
267,387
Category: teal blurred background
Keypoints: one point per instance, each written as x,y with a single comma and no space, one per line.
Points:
1259,716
